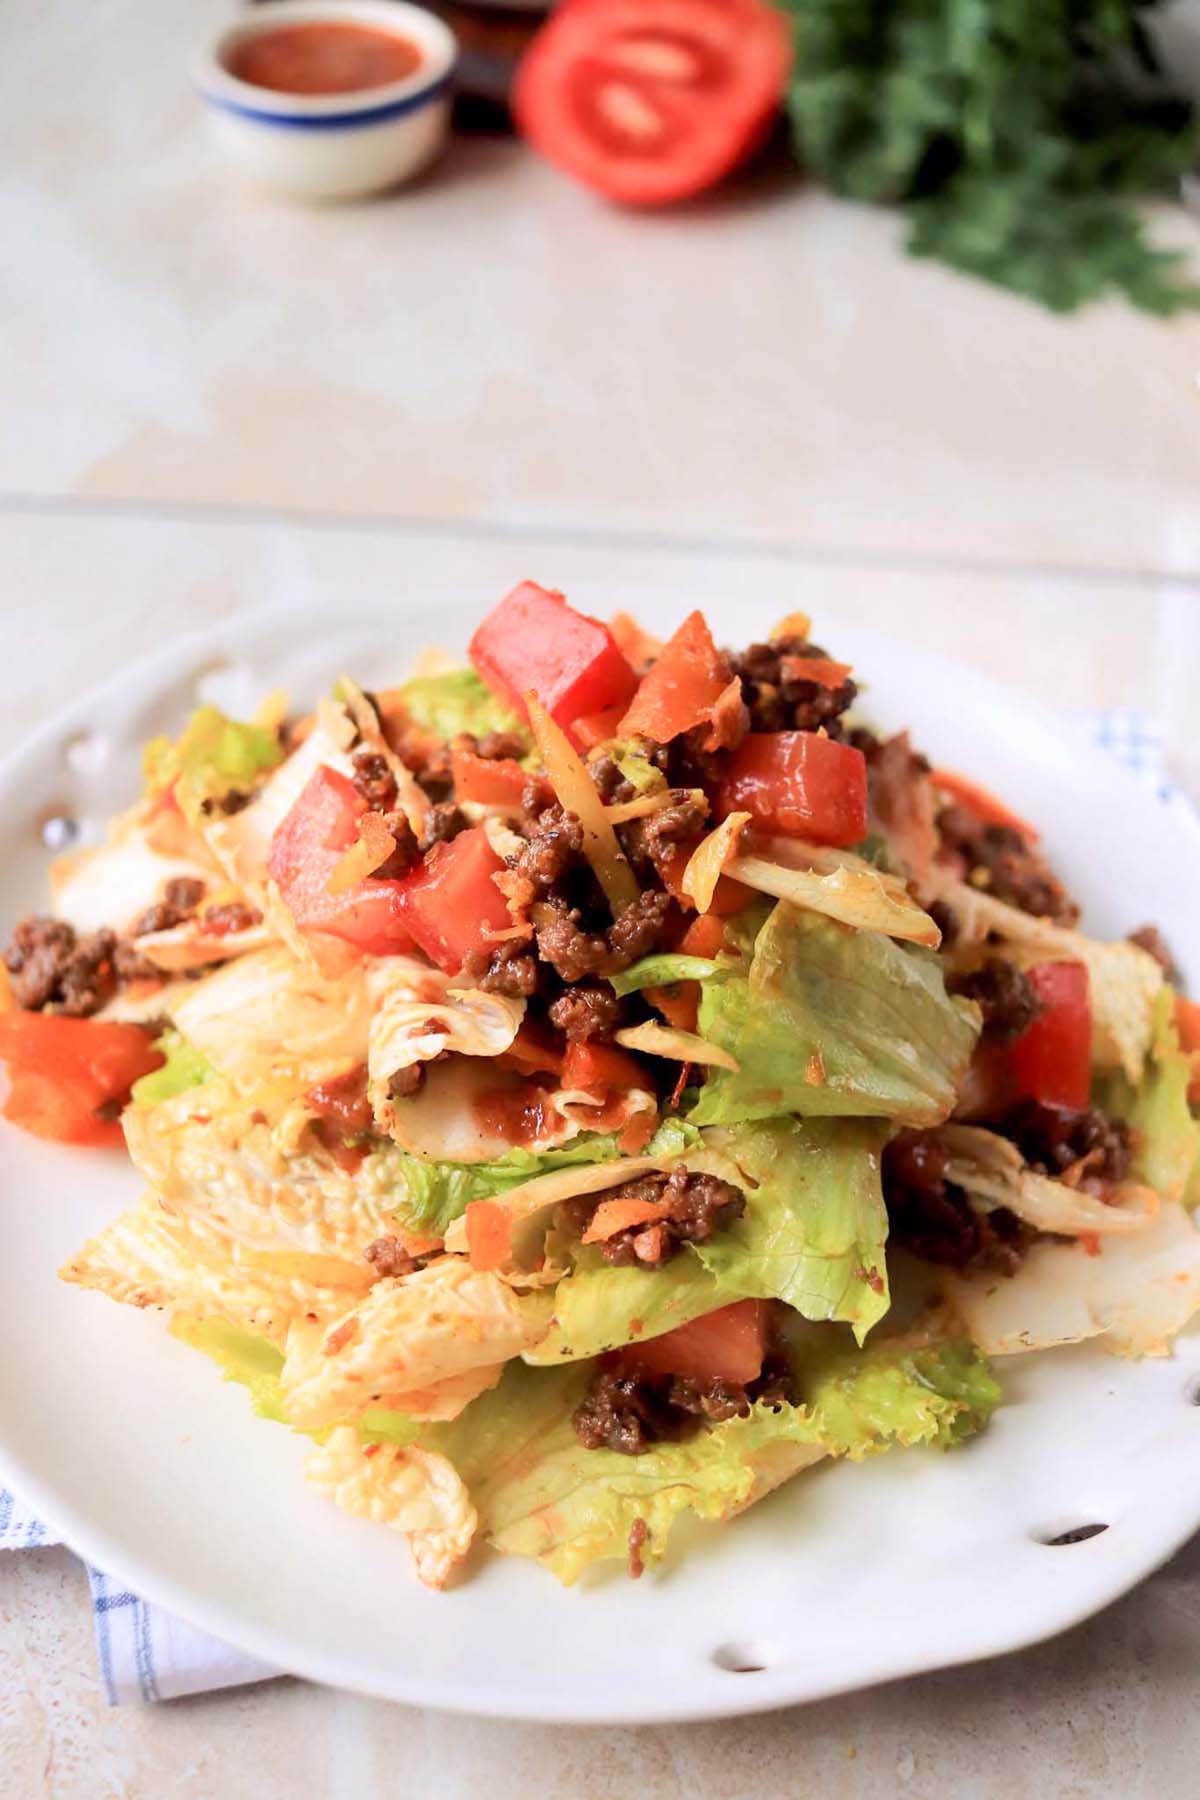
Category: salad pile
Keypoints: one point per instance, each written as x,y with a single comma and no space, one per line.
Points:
595,1084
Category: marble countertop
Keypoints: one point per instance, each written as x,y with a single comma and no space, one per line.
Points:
213,402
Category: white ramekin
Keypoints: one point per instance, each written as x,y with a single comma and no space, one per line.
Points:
331,146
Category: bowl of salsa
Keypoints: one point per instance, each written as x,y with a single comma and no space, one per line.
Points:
330,99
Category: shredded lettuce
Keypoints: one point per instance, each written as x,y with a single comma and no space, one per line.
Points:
813,1235
1166,1134
185,1067
215,756
660,971
636,766
431,1195
540,1493
457,701
834,1021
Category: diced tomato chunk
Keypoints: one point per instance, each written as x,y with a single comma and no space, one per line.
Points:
726,1345
1051,1061
62,1070
1187,1023
594,1068
486,780
681,689
800,784
450,904
534,641
678,1002
595,728
307,846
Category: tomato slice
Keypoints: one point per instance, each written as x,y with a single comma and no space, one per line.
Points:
800,784
534,640
595,1068
305,849
451,905
681,689
1051,1061
726,1345
487,781
649,101
62,1070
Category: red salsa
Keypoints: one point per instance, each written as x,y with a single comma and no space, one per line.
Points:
325,57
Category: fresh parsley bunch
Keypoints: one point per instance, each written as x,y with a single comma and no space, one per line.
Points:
1013,132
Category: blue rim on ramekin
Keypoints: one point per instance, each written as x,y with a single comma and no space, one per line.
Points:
332,112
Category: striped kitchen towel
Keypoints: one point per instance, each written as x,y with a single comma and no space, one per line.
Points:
148,1654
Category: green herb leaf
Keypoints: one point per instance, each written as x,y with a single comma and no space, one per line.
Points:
1013,132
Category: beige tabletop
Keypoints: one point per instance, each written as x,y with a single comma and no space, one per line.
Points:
213,402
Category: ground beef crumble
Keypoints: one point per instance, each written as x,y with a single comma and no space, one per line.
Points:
388,1257
777,695
1005,996
575,953
698,1206
1057,1140
586,1012
443,824
54,968
510,969
554,847
234,916
651,842
494,746
933,1218
373,779
180,899
630,1413
1001,861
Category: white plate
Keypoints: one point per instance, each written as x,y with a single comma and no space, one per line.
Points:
153,1468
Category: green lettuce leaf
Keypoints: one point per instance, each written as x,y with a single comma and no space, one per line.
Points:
1166,1134
458,700
833,1021
215,756
429,1196
257,1365
185,1067
812,1235
636,767
241,1356
660,971
541,1494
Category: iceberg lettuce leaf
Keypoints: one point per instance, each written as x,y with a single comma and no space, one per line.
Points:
832,1021
1166,1133
541,1494
257,1365
240,1356
214,756
185,1067
455,701
431,1195
812,1235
